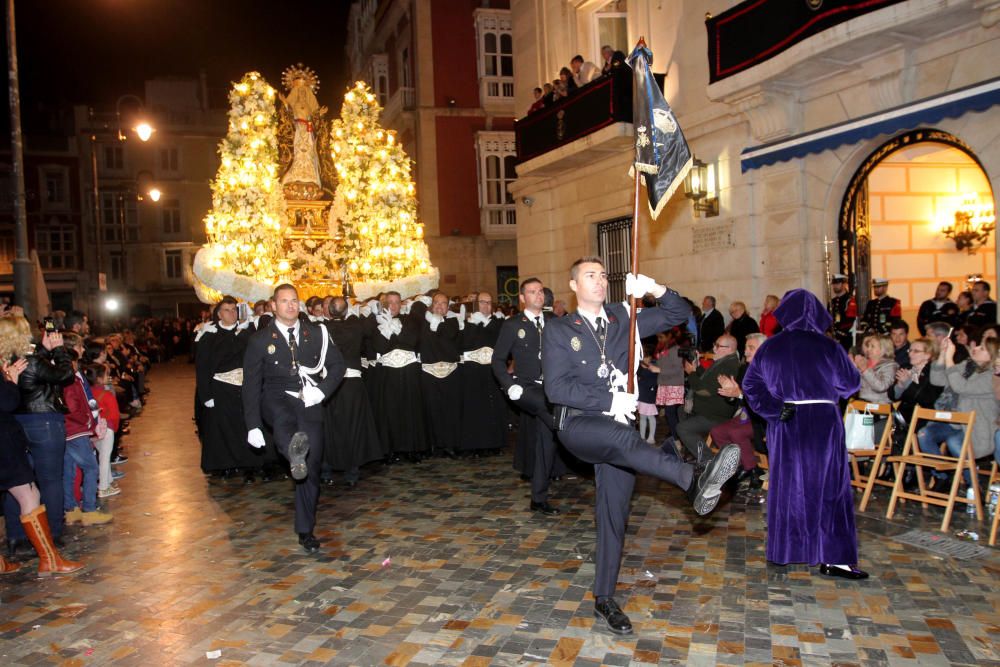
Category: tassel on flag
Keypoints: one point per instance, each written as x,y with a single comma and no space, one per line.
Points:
662,155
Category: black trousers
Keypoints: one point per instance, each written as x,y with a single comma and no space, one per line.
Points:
618,453
532,402
286,416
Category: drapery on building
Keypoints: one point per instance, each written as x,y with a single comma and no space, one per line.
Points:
443,72
868,125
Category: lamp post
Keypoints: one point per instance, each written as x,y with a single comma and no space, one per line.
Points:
144,131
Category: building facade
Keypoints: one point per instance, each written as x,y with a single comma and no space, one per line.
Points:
443,72
847,144
54,208
144,245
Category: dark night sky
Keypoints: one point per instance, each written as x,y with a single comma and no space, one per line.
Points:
93,51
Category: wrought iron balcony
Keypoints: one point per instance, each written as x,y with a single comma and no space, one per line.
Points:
601,103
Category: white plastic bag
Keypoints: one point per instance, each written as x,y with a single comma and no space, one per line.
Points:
859,430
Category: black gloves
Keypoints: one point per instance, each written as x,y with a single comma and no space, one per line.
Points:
787,412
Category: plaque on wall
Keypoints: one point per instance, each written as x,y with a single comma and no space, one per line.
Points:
713,236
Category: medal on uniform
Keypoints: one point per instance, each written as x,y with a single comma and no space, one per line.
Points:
602,370
520,333
574,343
271,349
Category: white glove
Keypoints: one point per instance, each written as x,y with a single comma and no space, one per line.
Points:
514,392
256,438
623,405
210,403
312,396
639,286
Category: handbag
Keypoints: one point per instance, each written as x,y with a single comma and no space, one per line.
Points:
859,430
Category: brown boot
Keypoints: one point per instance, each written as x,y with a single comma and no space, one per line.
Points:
36,525
6,567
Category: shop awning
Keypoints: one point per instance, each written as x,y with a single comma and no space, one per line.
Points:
978,97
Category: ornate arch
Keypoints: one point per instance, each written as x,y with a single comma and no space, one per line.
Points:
854,225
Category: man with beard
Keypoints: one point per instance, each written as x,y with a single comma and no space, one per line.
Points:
440,384
399,409
585,359
521,338
939,309
289,368
484,412
351,434
219,350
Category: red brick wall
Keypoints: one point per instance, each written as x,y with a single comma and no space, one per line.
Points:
458,186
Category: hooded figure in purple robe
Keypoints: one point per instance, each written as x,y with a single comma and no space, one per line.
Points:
795,382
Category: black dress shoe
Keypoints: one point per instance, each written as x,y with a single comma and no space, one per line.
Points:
608,611
525,478
544,508
708,478
838,571
298,450
17,544
309,542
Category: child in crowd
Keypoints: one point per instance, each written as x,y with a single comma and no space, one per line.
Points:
99,377
645,380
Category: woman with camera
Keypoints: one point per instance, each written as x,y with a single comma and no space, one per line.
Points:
40,414
18,479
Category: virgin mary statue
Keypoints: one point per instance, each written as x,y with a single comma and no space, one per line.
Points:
301,84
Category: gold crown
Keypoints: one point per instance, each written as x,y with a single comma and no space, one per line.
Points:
300,71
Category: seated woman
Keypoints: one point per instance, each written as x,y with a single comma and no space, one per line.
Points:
878,367
972,383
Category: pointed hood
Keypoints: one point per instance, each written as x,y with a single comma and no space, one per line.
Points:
800,310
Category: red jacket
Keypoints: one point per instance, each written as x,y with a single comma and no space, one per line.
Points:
768,323
79,419
109,406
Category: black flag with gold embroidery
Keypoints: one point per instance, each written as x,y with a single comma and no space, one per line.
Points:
662,155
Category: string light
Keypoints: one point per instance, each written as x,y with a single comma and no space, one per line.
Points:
376,199
245,221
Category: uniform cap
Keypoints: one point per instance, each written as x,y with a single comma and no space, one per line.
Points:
876,282
838,278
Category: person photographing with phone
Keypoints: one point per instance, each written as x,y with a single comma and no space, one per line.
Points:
40,413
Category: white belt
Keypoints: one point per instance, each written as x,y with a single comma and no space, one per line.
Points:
398,358
352,373
483,355
441,369
233,377
811,401
365,363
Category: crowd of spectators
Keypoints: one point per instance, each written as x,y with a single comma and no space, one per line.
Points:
74,390
578,74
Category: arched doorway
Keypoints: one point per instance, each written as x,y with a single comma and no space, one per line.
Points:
893,213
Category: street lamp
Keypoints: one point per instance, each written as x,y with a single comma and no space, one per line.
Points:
144,131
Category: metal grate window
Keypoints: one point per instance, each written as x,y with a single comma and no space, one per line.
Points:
614,245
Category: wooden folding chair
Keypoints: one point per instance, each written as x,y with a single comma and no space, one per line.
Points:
913,456
994,476
880,450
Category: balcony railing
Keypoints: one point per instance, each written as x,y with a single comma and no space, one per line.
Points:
499,222
496,89
606,101
404,99
756,30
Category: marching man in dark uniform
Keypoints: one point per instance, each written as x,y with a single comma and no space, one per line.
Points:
484,412
585,359
843,309
521,338
290,367
882,309
351,435
219,349
440,384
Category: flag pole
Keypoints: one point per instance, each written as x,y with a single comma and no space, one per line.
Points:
633,310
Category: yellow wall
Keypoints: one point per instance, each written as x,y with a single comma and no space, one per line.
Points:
913,194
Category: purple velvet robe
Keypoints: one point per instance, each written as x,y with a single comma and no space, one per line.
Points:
810,505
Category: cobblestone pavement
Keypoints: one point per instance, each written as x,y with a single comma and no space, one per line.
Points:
440,563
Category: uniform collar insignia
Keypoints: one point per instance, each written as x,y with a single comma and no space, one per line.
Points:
274,335
612,318
577,321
